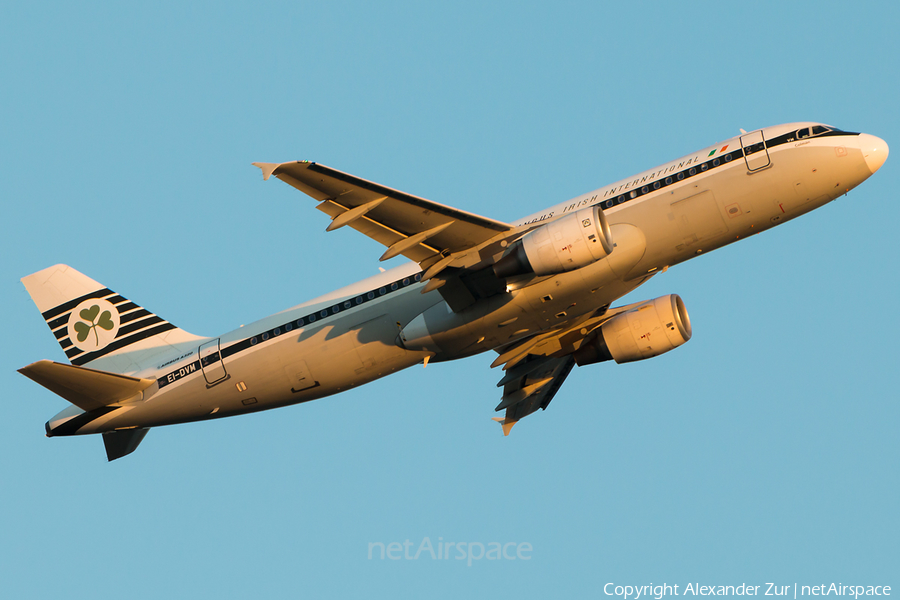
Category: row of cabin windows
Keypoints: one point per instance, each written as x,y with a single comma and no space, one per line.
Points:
805,132
668,181
334,309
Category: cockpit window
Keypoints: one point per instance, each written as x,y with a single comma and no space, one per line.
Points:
813,131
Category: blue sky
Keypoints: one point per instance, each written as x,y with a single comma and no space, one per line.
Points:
765,450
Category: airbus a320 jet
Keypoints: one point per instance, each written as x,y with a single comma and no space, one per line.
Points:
538,291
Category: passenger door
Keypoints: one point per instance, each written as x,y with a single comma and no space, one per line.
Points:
756,154
211,362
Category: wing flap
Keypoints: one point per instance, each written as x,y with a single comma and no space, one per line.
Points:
534,389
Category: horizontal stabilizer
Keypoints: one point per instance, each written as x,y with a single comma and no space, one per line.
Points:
87,389
122,443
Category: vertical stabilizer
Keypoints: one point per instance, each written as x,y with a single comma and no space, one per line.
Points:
96,326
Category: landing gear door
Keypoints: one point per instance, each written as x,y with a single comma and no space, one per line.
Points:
211,362
299,376
756,154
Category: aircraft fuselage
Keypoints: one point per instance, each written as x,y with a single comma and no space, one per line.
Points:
658,218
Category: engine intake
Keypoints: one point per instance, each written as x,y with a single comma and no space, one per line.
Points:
649,330
568,243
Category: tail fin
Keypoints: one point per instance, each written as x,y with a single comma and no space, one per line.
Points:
96,326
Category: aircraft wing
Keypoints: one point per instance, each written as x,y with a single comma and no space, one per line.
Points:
558,342
537,366
421,230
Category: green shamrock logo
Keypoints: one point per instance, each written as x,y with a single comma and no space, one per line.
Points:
90,315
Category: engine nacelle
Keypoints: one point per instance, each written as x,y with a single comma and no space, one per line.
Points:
568,243
649,330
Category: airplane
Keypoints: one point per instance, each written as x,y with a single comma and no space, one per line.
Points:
538,292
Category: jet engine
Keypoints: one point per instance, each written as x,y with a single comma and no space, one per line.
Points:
644,332
568,243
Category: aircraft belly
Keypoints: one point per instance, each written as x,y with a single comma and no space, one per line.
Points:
312,363
190,400
376,346
359,348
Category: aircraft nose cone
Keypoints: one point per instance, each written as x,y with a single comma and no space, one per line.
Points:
874,149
